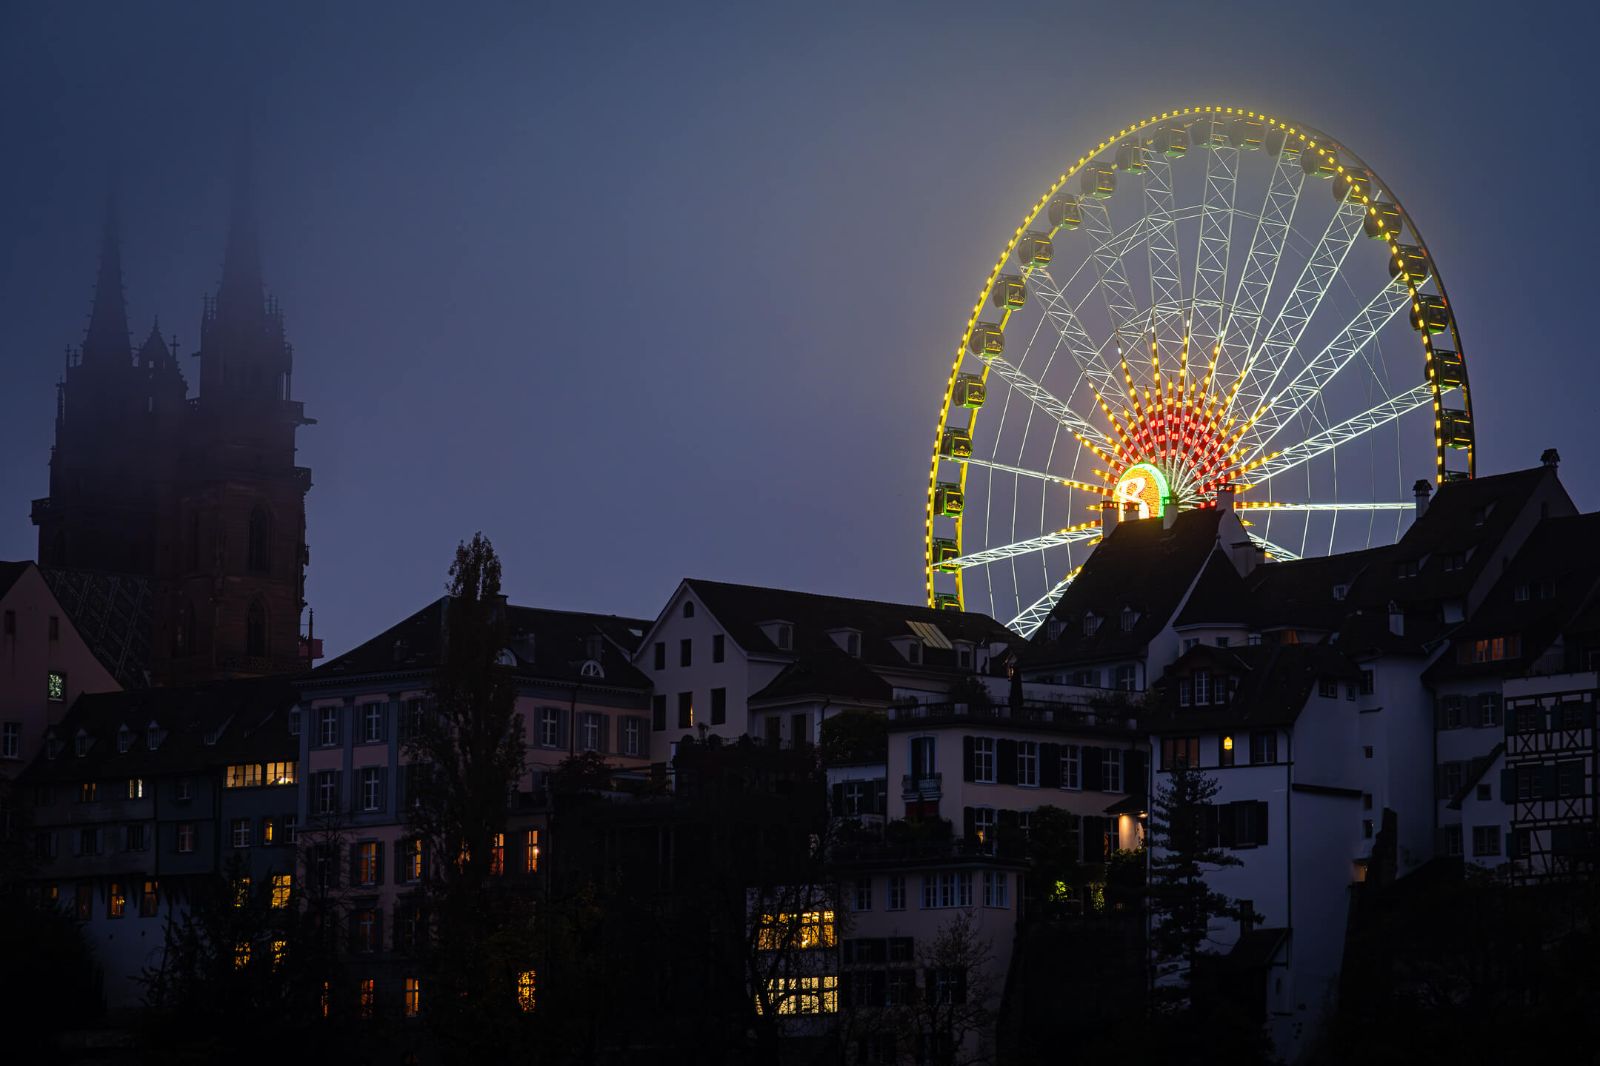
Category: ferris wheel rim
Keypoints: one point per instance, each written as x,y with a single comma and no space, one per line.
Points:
1365,186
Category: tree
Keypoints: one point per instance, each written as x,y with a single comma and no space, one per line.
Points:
467,753
1182,902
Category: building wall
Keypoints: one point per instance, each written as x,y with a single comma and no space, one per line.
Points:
27,659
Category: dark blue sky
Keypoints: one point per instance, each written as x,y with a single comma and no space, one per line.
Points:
649,290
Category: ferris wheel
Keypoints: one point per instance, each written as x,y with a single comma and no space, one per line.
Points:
1212,299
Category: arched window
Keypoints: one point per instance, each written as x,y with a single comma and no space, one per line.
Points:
260,540
183,629
255,630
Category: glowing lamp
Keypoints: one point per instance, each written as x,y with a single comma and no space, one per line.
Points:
1227,743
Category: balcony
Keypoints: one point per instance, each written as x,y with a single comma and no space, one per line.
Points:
1113,716
918,787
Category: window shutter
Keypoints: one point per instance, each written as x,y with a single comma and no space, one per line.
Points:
355,864
1210,826
882,795
605,733
400,861
1005,757
1261,821
969,760
563,723
1135,769
969,825
1547,781
838,800
1508,785
1049,765
1228,825
1092,771
377,928
379,864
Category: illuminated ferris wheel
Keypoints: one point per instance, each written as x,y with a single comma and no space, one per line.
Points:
1210,299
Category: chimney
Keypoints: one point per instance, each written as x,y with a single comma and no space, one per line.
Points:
1108,517
1225,498
1169,511
1397,619
1550,458
1422,490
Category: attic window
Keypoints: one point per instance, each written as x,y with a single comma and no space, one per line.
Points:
1455,561
1091,624
914,652
594,646
152,737
1055,628
124,740
785,637
52,745
1130,618
963,657
1481,514
590,668
688,608
1405,568
1340,592
80,744
507,657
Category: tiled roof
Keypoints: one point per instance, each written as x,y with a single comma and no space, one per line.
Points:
828,672
113,613
1275,680
743,608
549,645
244,721
1558,571
9,573
1143,566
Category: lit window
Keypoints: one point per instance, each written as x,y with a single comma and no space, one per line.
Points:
808,929
241,892
55,687
87,792
280,773
527,987
413,997
802,995
116,901
280,951
531,843
150,900
366,996
241,955
497,854
135,788
242,775
269,830
367,862
411,859
282,885
323,999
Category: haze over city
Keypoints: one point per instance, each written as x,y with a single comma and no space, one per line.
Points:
648,292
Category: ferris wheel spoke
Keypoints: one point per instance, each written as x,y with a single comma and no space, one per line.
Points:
1091,363
1045,401
1070,535
1275,551
1368,507
1348,430
1307,384
1109,270
1243,323
1161,251
1211,258
1032,617
1022,471
1266,362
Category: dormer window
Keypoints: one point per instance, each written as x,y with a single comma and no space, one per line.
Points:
780,633
963,656
594,647
1405,568
152,737
507,657
124,740
590,668
1340,592
1130,618
1202,687
80,744
1091,624
1056,628
914,652
52,745
849,641
1455,561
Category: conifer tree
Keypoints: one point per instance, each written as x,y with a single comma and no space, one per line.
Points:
1182,903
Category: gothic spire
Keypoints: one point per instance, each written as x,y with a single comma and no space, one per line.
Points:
106,342
153,352
241,295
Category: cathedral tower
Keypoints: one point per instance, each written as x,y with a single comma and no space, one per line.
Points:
198,495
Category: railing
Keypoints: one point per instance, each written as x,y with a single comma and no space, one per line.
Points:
1063,716
923,786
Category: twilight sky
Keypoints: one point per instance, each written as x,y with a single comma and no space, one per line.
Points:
653,290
